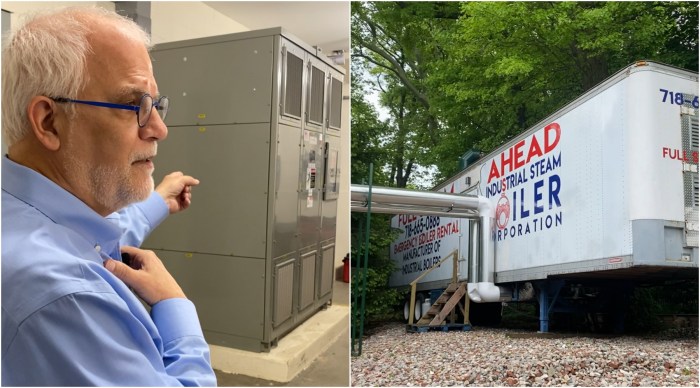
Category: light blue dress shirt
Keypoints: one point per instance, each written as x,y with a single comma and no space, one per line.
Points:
66,320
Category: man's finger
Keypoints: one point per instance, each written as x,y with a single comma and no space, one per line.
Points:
132,251
120,270
136,256
129,249
190,181
176,174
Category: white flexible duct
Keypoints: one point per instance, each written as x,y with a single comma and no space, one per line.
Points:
401,201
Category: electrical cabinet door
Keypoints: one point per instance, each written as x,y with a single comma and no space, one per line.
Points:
335,101
223,83
310,188
228,293
292,83
228,213
331,188
286,185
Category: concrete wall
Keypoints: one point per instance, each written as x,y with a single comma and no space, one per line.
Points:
20,9
174,20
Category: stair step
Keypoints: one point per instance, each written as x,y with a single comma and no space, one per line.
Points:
443,298
450,305
444,328
424,321
444,306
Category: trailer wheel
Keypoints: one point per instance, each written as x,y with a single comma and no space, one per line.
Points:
420,298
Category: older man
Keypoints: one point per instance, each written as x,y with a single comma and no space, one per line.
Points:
82,116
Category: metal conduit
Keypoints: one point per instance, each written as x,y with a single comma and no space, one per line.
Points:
417,210
401,201
392,200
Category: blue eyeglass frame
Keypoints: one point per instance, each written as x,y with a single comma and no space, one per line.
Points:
135,108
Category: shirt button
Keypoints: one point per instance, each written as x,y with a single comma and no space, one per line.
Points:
98,248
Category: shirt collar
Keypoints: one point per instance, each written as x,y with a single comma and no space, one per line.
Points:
60,206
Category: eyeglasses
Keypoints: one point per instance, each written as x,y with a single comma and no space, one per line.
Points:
143,110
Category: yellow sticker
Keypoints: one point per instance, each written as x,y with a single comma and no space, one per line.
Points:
202,129
188,255
201,116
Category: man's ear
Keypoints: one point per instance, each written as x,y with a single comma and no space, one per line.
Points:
42,118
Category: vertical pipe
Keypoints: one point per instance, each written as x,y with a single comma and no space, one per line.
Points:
486,258
455,266
366,247
473,270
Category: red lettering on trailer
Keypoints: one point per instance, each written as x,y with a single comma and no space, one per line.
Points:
405,219
683,156
512,158
535,150
519,162
549,146
446,230
404,245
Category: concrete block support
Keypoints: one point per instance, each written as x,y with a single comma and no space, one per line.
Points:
294,352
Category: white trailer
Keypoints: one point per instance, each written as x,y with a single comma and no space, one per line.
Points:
604,191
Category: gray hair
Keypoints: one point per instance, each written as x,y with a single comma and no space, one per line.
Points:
47,57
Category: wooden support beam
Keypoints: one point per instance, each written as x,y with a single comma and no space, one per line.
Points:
450,305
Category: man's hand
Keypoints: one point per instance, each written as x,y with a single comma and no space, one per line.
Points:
147,276
176,190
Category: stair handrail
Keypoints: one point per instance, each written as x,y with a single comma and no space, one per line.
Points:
412,308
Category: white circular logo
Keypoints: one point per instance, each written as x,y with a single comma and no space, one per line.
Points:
502,211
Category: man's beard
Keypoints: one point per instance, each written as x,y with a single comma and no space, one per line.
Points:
111,187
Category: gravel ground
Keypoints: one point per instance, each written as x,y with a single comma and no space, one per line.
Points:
502,357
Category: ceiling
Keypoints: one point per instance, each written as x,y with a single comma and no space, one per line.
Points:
325,24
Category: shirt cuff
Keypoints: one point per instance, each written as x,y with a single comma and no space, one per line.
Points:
176,318
155,209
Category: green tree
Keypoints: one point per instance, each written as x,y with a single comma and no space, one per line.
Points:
393,40
514,63
368,138
381,300
475,74
368,146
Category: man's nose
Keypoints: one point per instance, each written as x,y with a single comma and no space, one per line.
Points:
155,128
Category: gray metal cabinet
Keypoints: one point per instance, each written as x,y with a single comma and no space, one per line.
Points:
256,117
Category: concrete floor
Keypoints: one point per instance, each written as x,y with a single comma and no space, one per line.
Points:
330,369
